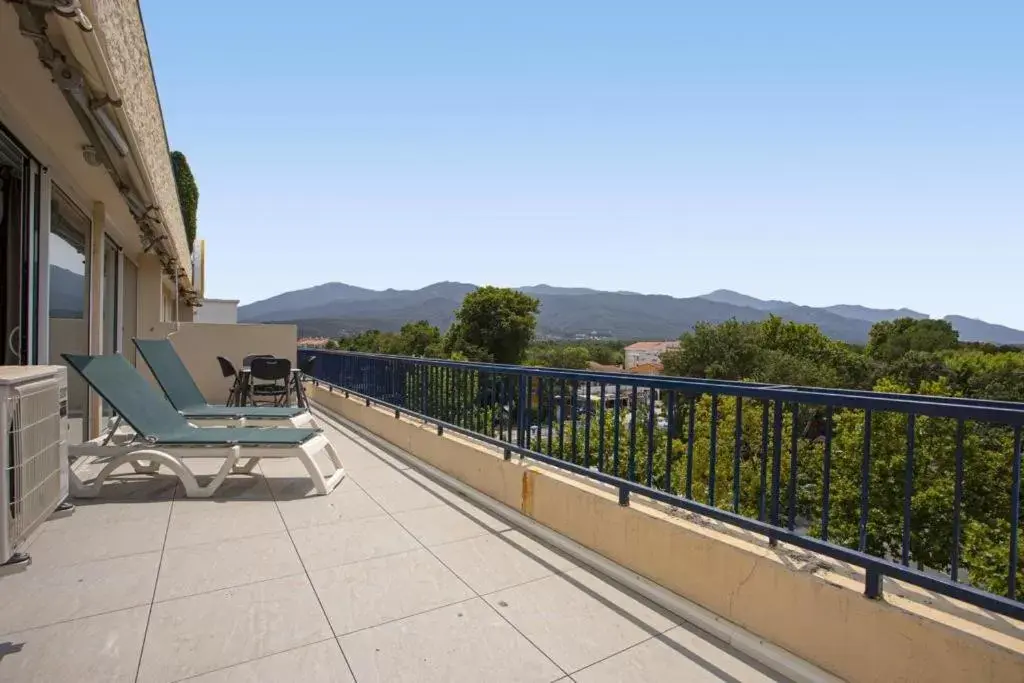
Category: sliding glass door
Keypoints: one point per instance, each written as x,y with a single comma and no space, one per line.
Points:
69,267
19,252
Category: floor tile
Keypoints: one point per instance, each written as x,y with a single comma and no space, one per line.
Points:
38,597
104,648
578,619
492,522
442,524
124,484
235,487
346,502
380,476
403,497
206,521
97,512
369,593
329,545
350,447
62,545
359,459
491,563
684,654
466,642
211,631
212,566
318,663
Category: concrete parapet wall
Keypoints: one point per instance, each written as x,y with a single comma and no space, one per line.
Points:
199,344
795,600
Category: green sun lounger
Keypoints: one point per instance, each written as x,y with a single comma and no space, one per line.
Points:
181,390
164,437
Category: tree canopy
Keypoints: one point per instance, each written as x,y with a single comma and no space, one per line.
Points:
891,339
414,339
727,462
493,325
771,350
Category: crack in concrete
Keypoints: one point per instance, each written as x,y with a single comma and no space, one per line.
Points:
739,587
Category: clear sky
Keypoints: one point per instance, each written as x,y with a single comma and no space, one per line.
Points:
812,151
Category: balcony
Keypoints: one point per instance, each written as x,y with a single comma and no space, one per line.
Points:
487,531
392,577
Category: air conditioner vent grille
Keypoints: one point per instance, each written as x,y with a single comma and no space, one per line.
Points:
34,456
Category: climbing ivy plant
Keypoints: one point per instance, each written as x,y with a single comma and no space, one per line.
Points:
188,194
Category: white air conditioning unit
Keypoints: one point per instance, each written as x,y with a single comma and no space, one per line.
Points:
33,454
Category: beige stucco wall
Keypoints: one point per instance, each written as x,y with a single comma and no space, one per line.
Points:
199,344
37,114
820,616
69,335
119,26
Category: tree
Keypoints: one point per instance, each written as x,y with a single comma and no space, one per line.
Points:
567,356
729,350
188,195
493,325
891,339
419,339
978,374
772,350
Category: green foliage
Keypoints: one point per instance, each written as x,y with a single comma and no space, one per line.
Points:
415,339
982,374
734,469
493,325
771,351
576,354
891,339
188,195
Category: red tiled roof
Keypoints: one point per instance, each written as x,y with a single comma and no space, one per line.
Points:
652,346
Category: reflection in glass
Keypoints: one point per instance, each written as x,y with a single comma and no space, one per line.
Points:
69,292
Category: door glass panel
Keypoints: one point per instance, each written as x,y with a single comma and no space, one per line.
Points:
69,294
111,300
129,310
12,232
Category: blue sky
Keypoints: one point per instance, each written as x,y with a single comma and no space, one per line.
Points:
871,153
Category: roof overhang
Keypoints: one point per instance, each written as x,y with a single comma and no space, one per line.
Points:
70,45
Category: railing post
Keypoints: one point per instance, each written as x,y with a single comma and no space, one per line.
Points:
873,583
424,371
776,470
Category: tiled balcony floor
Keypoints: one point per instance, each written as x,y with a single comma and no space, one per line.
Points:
390,578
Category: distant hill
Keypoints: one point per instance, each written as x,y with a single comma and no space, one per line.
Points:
973,330
727,296
335,309
874,315
68,293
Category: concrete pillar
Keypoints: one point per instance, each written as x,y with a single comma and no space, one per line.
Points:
150,295
96,244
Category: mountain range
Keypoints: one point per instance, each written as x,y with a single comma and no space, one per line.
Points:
334,309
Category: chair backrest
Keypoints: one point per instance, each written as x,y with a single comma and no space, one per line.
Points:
227,367
129,394
307,365
170,373
270,368
247,361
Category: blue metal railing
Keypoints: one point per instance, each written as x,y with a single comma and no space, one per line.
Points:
924,489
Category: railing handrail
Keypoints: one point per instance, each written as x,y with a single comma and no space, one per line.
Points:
981,410
381,388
